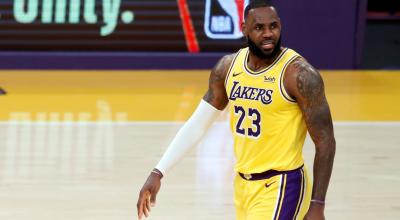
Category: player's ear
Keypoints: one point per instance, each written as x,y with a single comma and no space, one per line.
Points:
244,29
280,24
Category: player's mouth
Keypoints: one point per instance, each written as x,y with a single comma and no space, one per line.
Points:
267,45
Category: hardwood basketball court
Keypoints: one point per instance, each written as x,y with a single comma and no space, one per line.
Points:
79,145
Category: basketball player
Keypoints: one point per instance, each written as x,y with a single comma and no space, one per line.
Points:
274,97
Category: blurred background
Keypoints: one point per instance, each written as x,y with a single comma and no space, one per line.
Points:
92,92
78,34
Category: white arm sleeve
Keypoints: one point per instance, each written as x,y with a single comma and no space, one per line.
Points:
189,135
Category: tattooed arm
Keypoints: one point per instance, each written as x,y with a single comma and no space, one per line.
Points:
305,84
216,94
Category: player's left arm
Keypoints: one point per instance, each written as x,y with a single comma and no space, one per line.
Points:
305,84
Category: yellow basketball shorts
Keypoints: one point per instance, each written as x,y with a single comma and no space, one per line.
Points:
274,195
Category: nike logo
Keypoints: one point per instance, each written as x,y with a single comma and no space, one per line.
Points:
236,74
268,185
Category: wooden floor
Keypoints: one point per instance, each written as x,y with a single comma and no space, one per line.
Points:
171,95
79,145
86,171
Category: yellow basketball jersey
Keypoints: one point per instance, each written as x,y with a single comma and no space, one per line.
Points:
267,124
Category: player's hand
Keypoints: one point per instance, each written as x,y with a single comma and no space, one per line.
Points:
315,212
148,194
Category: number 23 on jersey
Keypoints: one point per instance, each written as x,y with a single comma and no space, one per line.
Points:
252,114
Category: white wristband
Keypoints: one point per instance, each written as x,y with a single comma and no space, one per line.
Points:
189,135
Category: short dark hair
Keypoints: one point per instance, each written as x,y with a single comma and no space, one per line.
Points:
257,4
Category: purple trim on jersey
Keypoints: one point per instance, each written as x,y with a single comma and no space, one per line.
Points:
264,70
281,84
268,174
280,196
231,67
303,189
293,193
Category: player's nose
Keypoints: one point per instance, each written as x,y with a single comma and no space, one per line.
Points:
267,33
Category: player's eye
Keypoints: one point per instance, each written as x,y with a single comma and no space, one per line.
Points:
258,27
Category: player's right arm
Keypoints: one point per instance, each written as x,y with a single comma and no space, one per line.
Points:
213,102
216,94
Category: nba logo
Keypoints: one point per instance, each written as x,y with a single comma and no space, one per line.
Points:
223,18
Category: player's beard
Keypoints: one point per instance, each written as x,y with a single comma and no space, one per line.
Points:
254,49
